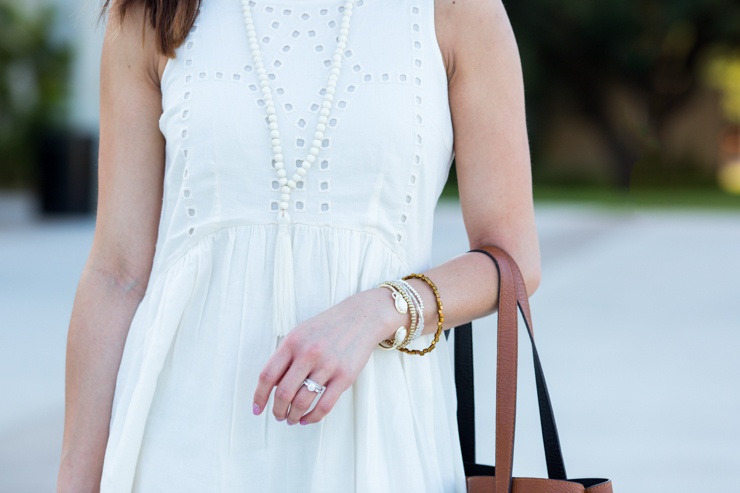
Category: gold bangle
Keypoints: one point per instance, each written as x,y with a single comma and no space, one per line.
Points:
410,306
439,313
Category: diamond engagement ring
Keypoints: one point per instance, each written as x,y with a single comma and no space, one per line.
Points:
313,386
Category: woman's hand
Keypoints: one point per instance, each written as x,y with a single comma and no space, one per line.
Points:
331,349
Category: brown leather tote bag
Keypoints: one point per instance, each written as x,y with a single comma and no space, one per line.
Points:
487,479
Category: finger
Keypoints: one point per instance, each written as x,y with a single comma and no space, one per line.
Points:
304,398
326,403
286,390
270,375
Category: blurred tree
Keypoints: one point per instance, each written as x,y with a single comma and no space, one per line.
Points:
575,52
34,73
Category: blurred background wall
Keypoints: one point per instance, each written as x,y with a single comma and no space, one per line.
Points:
49,103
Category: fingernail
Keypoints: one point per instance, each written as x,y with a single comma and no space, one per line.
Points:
255,409
290,424
304,422
280,419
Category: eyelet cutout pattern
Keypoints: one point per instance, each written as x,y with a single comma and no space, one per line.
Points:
325,207
367,78
299,205
324,165
274,206
188,78
299,142
385,77
186,193
403,78
324,186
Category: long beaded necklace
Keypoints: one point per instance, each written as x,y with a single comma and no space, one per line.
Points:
284,299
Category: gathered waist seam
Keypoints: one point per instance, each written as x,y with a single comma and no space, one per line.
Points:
160,273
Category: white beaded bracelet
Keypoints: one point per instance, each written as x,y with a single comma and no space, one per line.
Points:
419,304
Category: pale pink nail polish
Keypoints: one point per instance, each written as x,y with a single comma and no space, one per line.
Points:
255,409
304,422
290,424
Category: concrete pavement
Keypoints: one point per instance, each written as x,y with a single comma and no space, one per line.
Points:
637,322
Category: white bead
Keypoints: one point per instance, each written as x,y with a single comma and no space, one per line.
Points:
341,45
314,151
285,189
285,197
279,165
252,40
266,90
319,134
253,46
326,104
348,12
283,181
296,177
343,32
323,119
301,171
342,38
268,97
270,111
344,24
336,64
269,103
306,165
333,78
278,158
328,97
291,183
316,143
273,126
335,70
320,127
259,64
275,134
332,84
281,173
264,82
275,142
255,53
338,50
283,205
272,118
324,112
310,158
277,150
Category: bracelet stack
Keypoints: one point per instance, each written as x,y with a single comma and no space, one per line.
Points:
407,299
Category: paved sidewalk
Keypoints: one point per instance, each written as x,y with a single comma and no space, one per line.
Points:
637,321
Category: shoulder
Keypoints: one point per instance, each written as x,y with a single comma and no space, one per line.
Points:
467,29
130,44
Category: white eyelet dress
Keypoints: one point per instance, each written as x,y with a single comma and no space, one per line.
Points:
182,416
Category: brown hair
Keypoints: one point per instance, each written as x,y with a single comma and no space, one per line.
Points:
171,20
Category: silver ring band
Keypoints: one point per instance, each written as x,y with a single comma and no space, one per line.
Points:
313,386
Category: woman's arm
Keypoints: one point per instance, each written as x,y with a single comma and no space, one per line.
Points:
486,95
114,279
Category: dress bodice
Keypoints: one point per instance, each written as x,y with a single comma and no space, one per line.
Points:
386,151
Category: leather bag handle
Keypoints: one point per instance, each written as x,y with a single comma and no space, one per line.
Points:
512,296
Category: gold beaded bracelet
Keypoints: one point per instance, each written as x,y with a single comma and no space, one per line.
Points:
439,313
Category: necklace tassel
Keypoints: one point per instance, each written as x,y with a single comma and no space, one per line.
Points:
284,310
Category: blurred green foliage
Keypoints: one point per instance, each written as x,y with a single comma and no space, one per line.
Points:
34,84
575,51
